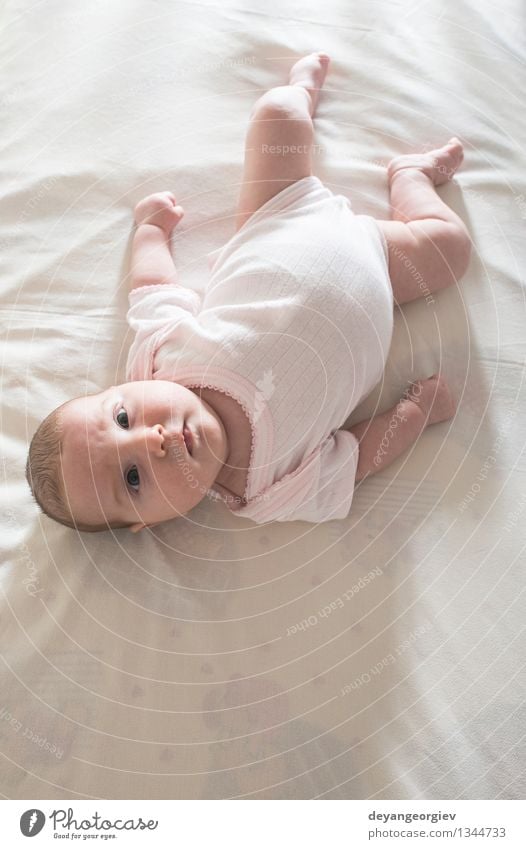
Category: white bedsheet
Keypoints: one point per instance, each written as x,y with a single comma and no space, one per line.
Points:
380,656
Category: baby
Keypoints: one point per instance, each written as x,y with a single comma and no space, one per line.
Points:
240,394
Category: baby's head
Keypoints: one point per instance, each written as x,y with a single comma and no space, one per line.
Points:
119,459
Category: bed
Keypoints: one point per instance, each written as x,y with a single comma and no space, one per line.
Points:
380,656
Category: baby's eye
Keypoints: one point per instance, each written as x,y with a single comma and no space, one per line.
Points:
132,477
120,412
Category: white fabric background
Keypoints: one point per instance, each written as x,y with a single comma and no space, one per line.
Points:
165,664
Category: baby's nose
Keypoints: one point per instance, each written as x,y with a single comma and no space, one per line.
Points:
155,440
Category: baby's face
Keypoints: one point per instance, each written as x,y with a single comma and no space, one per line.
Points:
124,456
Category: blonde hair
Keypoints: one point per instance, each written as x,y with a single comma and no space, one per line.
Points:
43,474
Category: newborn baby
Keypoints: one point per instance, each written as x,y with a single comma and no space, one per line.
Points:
241,394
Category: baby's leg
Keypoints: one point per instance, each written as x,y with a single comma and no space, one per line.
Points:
429,245
279,138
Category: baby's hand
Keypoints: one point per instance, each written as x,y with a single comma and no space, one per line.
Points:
434,398
159,209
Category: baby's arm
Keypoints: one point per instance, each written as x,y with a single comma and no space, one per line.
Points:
383,438
152,262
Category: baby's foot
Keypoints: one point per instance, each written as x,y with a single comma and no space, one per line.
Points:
440,164
434,398
310,72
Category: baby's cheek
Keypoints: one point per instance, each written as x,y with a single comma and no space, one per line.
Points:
188,477
181,479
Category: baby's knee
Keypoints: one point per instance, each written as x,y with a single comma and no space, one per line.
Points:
282,102
443,248
459,244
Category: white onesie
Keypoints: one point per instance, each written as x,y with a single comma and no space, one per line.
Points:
295,324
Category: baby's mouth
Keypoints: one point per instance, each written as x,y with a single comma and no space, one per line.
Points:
187,436
178,447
